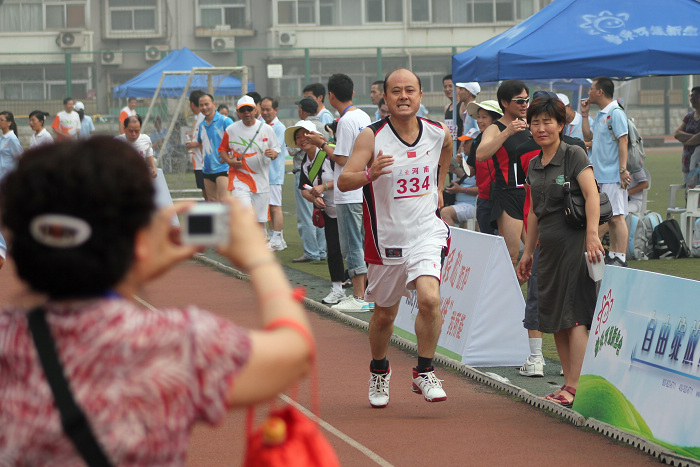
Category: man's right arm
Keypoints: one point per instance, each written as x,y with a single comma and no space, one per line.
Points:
585,124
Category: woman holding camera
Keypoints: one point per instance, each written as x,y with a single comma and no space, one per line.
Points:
142,378
567,294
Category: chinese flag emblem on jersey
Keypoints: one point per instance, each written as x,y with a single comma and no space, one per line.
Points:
411,154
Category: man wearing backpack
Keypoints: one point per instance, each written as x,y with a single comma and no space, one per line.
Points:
608,155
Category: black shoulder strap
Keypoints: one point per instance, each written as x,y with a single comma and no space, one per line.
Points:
73,419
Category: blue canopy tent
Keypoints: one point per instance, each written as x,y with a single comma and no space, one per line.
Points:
588,38
146,83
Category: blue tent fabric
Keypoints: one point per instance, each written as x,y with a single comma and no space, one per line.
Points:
145,84
589,38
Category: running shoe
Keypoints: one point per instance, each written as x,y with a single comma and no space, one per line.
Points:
379,387
334,297
276,244
429,385
351,305
533,367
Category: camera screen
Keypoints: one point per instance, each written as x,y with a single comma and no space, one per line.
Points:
200,224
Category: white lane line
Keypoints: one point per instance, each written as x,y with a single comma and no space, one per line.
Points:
336,432
325,425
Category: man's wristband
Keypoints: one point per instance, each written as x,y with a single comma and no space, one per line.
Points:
585,116
367,175
623,170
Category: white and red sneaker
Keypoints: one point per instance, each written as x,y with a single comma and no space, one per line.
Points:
379,388
427,384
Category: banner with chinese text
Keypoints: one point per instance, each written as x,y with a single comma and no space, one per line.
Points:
641,371
481,303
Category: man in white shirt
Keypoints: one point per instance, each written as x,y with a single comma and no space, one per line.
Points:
268,109
248,147
194,147
574,126
66,124
348,204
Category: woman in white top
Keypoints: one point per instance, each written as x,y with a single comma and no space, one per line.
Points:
36,123
142,143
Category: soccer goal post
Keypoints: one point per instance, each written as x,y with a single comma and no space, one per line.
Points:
212,80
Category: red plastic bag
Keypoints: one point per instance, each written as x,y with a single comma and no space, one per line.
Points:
303,444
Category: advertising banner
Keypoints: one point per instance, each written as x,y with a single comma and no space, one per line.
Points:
641,371
481,304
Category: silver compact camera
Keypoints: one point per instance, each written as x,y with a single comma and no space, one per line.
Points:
206,224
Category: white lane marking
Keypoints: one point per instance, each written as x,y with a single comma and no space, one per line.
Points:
325,425
339,434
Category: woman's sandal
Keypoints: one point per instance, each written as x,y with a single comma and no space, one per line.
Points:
563,401
554,395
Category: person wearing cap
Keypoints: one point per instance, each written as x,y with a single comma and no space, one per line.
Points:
257,98
313,240
86,125
499,143
211,132
574,120
402,184
66,124
317,188
269,107
466,93
485,113
128,111
248,147
534,363
318,91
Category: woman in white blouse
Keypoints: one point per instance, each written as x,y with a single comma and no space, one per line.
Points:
36,123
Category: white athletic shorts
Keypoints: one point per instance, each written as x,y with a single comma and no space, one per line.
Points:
464,211
386,284
259,201
275,195
617,196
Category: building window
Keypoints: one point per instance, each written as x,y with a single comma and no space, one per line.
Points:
43,83
39,15
472,11
383,11
296,12
134,18
233,13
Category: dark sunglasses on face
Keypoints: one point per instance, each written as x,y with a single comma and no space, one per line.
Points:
521,100
246,109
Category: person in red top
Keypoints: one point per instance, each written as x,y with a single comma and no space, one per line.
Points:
128,111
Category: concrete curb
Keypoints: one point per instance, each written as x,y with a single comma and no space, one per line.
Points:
663,454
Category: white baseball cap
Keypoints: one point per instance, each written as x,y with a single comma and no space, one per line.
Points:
291,131
563,98
245,101
79,106
472,87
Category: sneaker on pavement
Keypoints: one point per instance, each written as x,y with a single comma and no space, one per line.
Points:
379,388
276,244
368,307
533,367
335,296
350,305
427,384
615,262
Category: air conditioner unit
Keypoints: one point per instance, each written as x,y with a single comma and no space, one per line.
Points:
287,38
223,44
111,58
154,52
69,40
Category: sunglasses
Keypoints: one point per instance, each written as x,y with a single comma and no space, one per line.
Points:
521,100
246,109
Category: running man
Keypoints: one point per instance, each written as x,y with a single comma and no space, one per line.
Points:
401,162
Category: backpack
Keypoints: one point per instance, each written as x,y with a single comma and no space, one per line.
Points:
696,239
635,144
668,241
639,243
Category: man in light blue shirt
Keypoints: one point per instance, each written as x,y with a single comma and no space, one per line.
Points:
268,109
211,132
608,156
318,92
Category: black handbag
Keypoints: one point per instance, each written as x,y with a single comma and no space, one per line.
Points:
575,203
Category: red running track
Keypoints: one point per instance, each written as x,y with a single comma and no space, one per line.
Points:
475,426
